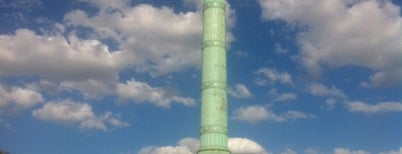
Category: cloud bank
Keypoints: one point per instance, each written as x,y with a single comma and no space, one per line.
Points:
337,33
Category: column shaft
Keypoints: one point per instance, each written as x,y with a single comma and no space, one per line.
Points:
214,131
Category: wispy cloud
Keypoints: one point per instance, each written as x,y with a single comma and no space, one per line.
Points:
347,151
335,36
75,113
191,145
272,76
393,151
285,97
239,91
141,92
16,99
256,113
382,107
318,89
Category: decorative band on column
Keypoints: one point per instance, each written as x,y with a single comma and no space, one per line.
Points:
213,149
214,43
214,4
213,129
213,84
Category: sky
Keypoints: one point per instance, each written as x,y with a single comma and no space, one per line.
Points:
123,76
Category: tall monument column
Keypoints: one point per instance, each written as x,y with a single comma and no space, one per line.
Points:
214,128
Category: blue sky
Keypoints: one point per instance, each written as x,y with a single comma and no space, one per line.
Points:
123,77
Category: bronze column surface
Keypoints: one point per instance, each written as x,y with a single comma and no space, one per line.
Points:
214,125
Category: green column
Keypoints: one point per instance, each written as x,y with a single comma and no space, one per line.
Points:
214,128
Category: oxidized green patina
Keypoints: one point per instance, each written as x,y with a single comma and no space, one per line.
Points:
214,127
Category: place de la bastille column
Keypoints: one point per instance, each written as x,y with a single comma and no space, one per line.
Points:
214,118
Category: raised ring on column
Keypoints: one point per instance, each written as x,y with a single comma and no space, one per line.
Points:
214,43
213,129
214,4
213,84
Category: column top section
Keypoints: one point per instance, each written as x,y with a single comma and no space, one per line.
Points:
207,1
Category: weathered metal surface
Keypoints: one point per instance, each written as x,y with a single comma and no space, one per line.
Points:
214,131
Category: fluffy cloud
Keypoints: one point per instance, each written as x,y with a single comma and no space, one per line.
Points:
55,57
311,151
26,5
272,75
257,113
81,114
147,45
142,92
185,146
347,151
285,97
393,152
332,94
105,4
252,114
318,89
17,98
190,146
289,151
279,49
67,60
239,91
244,146
380,78
339,34
357,106
330,103
70,63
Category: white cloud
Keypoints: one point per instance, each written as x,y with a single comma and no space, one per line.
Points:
55,57
241,54
191,143
190,146
25,5
239,91
311,151
91,88
81,114
15,99
105,4
244,146
142,92
197,3
252,114
256,113
147,45
330,102
339,34
165,150
357,106
293,115
318,89
286,97
64,111
393,152
185,146
45,86
279,49
273,75
382,78
347,151
68,62
289,151
5,124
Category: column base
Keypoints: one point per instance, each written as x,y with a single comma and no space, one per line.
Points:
213,151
